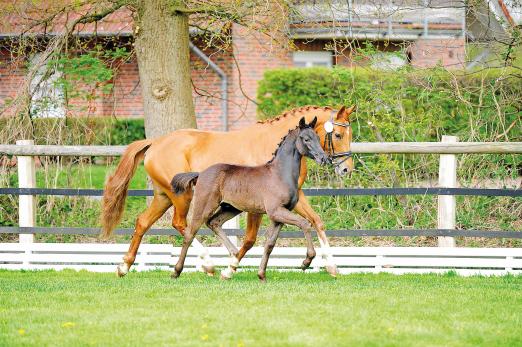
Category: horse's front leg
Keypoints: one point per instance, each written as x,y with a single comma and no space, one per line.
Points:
253,223
304,209
160,203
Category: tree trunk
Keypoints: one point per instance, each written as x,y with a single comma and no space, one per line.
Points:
162,50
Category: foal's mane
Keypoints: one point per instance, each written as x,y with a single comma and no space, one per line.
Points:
283,140
295,112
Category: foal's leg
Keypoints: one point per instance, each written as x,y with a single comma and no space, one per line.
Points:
271,238
179,222
304,209
224,213
206,201
188,237
282,215
160,203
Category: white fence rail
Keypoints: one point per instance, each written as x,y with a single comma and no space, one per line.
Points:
397,260
104,257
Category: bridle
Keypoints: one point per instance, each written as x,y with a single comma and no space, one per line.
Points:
328,143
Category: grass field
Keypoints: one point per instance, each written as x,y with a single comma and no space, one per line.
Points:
80,309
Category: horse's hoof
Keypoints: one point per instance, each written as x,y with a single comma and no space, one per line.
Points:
209,270
332,270
174,275
121,270
262,278
226,274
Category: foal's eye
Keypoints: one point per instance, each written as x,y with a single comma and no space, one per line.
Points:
338,136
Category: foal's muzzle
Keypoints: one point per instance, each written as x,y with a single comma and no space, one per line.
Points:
323,160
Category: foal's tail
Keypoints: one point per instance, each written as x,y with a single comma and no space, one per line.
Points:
117,185
184,181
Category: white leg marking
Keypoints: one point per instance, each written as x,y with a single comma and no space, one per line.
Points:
330,265
123,269
234,263
207,261
226,274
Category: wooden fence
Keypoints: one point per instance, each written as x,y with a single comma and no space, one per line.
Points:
102,257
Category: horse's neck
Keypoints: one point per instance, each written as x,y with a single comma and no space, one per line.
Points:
268,135
288,161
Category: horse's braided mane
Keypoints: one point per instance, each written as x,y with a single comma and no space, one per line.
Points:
293,112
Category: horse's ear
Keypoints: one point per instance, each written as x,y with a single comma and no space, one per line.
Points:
344,113
313,122
302,123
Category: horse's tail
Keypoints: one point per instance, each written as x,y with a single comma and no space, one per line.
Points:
117,185
184,181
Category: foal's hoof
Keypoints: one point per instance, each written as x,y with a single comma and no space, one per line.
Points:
305,265
262,278
209,270
174,275
332,270
121,270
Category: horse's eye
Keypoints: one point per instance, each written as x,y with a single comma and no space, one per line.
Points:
338,136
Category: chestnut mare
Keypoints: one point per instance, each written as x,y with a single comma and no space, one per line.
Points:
223,191
195,150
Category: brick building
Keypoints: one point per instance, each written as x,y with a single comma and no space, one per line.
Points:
417,35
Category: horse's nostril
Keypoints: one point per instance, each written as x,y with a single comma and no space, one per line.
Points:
345,170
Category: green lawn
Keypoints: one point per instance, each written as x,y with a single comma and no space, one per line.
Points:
79,308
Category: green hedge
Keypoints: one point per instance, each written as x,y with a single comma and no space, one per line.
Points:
419,105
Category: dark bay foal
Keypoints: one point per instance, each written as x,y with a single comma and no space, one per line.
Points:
223,191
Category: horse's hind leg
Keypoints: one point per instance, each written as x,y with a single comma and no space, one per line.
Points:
160,203
224,213
188,237
271,238
203,208
179,222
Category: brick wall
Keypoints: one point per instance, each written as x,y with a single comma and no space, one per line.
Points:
254,55
429,52
11,77
126,100
423,52
207,83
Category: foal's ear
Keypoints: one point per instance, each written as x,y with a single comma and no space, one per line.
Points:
302,123
313,122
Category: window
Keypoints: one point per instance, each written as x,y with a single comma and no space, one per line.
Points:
388,61
47,98
310,59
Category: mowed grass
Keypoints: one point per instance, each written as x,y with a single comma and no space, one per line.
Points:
71,308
